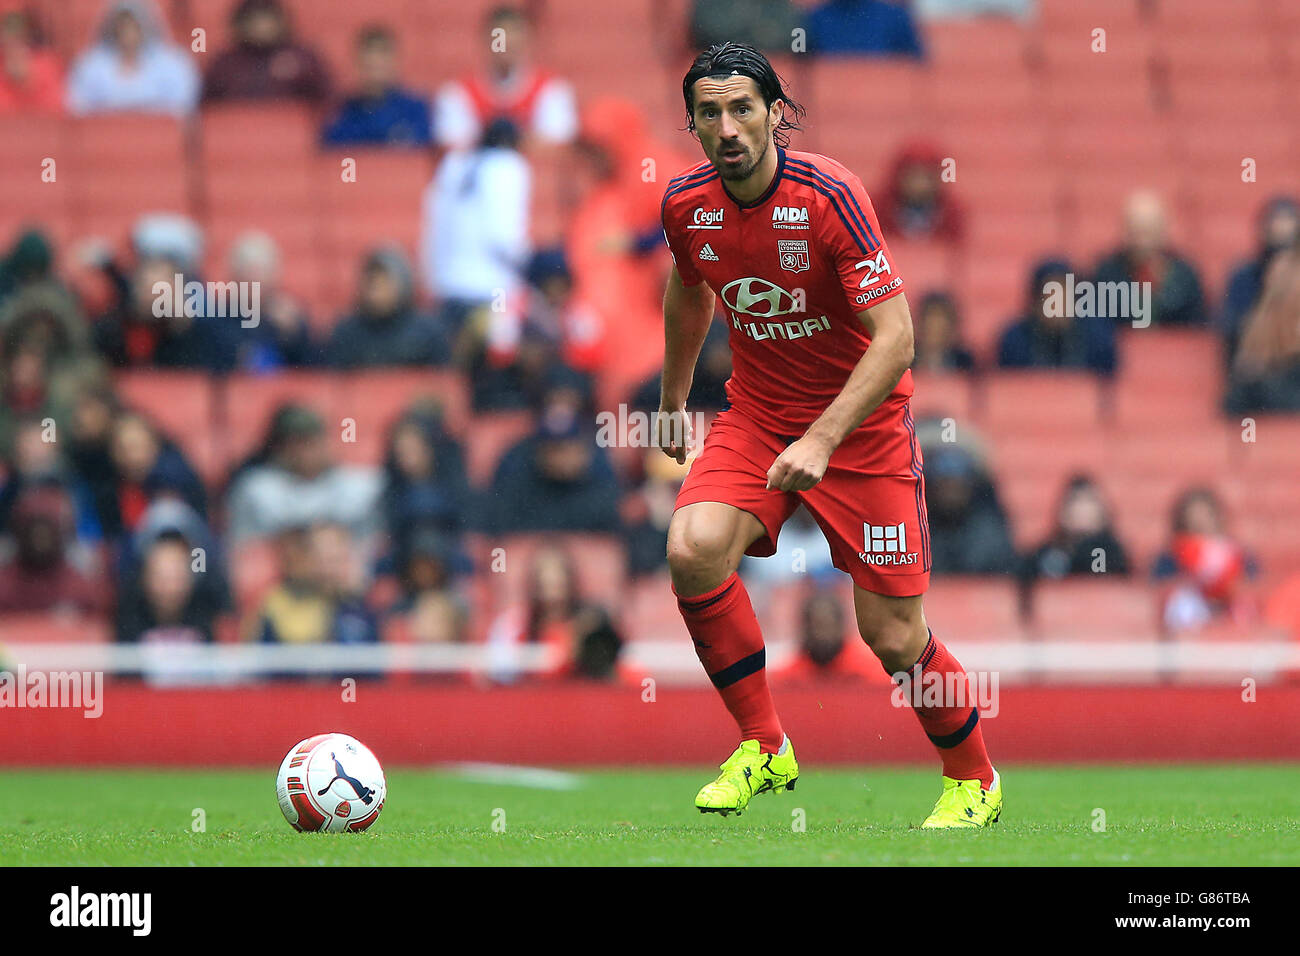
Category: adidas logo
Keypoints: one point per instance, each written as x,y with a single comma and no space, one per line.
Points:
707,254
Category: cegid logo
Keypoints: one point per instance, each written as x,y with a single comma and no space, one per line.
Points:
707,219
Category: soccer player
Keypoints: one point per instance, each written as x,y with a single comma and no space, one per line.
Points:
817,413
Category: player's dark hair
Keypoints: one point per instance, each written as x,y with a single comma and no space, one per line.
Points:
741,59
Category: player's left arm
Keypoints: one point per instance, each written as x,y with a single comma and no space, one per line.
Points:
889,324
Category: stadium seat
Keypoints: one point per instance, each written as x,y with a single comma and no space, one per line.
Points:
1041,401
972,608
376,399
1095,609
599,560
492,435
41,628
245,404
181,405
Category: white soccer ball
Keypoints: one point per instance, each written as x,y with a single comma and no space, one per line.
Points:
330,783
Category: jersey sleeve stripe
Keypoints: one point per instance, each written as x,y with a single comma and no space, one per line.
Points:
837,204
688,182
843,189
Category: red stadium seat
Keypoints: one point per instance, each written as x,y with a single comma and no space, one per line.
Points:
599,561
181,404
41,628
1095,609
972,608
374,400
247,402
491,436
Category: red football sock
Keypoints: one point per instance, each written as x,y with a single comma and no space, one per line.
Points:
729,644
953,724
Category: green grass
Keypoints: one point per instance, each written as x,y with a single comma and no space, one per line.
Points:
1212,815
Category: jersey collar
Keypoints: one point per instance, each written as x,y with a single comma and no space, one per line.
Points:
772,186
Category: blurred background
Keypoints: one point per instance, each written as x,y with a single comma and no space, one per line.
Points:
449,215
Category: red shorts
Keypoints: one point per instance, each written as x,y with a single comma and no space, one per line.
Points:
870,504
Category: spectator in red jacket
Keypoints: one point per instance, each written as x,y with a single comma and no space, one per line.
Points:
1206,572
266,61
916,203
31,76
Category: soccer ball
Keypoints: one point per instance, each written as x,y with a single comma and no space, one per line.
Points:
330,783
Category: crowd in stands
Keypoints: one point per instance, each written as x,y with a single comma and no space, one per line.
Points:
102,511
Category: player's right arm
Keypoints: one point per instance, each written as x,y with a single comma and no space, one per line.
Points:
688,310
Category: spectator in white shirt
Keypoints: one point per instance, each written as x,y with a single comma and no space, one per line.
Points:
474,244
541,104
134,66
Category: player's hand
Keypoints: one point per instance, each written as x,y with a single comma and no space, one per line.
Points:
800,466
673,433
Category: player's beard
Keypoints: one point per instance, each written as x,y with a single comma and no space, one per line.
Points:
744,170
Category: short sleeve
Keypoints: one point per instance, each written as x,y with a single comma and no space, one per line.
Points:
681,255
851,236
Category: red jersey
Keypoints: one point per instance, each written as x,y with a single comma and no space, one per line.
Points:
792,269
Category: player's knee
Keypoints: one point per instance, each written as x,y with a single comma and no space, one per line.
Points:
697,556
892,640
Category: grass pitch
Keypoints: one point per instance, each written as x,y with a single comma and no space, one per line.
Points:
1133,816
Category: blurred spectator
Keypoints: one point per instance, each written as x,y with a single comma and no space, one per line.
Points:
388,327
554,327
766,24
166,601
147,467
266,62
432,607
25,392
557,479
969,532
474,243
380,113
1265,373
30,261
916,203
1083,527
1042,339
939,345
1082,541
295,482
138,332
425,485
282,337
31,76
708,388
35,460
343,584
1145,256
133,66
538,103
40,574
829,644
646,512
578,636
1205,573
1279,230
614,244
868,27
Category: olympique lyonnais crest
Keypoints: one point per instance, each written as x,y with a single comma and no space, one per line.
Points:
794,254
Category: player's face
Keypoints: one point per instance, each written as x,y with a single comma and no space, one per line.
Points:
734,126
